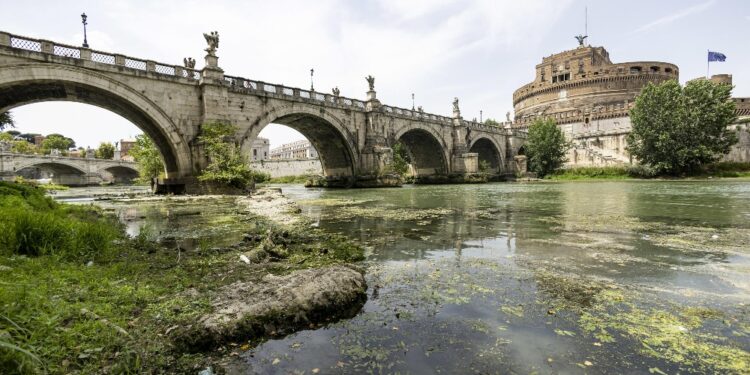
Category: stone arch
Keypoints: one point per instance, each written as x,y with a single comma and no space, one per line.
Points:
490,152
63,173
50,163
119,173
33,83
335,144
427,150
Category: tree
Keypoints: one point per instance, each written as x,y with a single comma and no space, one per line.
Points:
13,132
5,137
677,130
401,159
56,142
23,147
71,142
147,156
545,147
491,122
226,164
6,120
105,151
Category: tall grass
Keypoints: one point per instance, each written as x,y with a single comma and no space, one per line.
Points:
34,225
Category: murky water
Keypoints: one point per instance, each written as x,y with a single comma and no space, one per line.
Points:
525,278
600,277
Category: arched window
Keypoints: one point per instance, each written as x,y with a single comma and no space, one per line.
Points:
635,69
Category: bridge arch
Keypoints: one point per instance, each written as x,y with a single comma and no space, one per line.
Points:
429,152
489,151
335,144
51,164
23,84
119,173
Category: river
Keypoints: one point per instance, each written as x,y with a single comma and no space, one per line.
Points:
601,277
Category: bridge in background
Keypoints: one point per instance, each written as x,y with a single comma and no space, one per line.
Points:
170,102
64,170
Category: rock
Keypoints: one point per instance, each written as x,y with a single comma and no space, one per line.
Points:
275,306
206,371
244,258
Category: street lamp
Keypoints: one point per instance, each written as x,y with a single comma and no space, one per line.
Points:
412,101
312,88
83,19
480,116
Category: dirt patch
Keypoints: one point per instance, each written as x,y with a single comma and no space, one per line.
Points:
269,202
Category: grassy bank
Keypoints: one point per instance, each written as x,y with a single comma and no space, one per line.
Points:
79,296
719,170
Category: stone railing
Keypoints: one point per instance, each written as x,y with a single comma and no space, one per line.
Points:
244,85
100,57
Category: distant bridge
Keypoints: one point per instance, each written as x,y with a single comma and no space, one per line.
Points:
63,170
170,102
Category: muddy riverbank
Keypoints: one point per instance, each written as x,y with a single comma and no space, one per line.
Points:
193,280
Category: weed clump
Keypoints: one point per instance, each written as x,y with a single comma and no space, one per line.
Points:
34,225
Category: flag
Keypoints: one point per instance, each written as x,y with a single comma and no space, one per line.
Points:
716,56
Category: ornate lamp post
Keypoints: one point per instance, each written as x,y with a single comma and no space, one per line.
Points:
480,116
412,101
83,19
312,88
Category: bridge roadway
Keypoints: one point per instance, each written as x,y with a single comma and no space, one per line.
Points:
63,170
170,102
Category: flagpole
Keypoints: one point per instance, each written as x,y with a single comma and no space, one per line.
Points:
708,62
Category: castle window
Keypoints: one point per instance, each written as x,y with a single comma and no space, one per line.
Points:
635,69
654,69
554,79
667,70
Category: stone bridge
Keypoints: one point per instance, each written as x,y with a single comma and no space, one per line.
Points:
64,170
170,102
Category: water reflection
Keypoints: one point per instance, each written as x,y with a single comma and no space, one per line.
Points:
474,288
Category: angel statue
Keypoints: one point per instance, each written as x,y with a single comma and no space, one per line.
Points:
371,81
189,62
213,42
507,116
336,92
580,39
455,106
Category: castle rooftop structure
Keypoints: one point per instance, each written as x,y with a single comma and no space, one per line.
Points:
583,84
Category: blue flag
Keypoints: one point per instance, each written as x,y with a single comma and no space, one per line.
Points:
716,56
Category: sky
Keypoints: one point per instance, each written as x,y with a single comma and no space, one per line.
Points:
479,51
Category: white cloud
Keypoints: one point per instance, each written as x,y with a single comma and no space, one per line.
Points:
674,17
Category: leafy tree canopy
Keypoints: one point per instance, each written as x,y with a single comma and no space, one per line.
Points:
545,147
106,150
401,159
226,164
56,142
491,122
145,153
6,120
678,129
